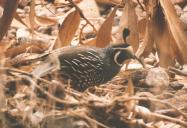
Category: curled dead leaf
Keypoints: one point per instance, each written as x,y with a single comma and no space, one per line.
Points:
104,34
68,28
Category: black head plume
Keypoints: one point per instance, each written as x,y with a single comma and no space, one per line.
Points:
126,33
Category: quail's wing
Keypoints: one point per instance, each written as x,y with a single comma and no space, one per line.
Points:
84,67
57,59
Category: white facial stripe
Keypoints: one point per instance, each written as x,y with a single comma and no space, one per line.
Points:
129,48
115,59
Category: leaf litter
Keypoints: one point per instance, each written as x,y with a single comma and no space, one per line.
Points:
150,97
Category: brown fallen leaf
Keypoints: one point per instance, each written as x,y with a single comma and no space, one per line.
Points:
141,27
148,41
44,21
176,28
32,16
91,42
158,32
162,38
67,29
34,47
104,34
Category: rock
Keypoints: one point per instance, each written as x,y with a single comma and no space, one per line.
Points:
22,33
185,9
184,18
176,85
178,9
157,79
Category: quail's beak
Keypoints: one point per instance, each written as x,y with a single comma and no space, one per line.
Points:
130,52
133,56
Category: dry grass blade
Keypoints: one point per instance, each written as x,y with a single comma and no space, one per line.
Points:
130,92
176,28
3,46
18,18
32,15
68,28
2,96
114,2
147,45
104,34
8,14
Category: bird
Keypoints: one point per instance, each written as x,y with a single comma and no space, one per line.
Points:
86,66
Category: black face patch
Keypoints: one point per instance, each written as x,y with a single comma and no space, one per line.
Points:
120,53
121,56
123,45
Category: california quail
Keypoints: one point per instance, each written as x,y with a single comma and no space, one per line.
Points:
86,66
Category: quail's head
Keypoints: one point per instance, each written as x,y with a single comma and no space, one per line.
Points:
121,53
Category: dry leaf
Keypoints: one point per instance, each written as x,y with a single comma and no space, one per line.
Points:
44,21
141,28
32,15
68,28
164,48
176,28
91,42
157,31
34,47
148,41
104,34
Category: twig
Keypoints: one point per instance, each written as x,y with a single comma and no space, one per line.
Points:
124,99
141,6
42,2
177,71
81,32
67,103
161,117
90,119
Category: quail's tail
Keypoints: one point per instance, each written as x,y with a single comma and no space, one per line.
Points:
51,64
43,69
